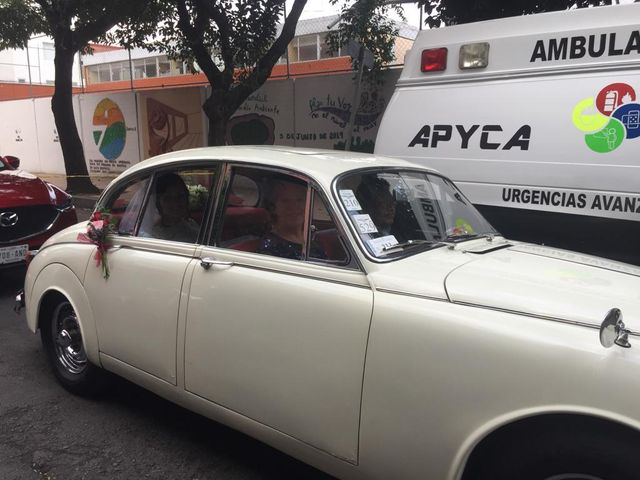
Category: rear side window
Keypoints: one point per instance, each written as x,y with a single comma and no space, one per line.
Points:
126,204
176,205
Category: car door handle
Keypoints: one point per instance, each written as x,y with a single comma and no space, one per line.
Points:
207,262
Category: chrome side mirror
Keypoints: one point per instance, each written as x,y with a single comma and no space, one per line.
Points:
613,331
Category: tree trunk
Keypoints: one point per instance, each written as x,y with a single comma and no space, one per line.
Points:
78,180
214,109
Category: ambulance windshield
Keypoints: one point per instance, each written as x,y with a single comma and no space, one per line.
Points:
397,211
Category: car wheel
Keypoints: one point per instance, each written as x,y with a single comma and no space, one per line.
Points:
62,340
577,453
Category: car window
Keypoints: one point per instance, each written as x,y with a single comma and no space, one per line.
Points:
125,205
276,214
326,243
244,191
265,212
401,212
176,204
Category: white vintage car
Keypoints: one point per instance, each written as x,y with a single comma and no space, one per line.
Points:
353,311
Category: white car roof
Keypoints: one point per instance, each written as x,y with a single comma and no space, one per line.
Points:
321,165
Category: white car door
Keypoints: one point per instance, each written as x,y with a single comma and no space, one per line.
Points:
136,308
281,341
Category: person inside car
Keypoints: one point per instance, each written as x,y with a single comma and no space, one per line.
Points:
375,196
172,202
286,201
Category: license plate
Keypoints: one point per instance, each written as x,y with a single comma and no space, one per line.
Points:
16,253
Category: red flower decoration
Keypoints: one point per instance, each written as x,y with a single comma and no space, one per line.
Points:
100,226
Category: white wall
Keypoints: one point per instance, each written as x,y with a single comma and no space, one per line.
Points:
14,64
305,112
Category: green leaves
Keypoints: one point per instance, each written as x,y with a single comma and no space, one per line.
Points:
235,43
237,33
367,23
21,20
451,12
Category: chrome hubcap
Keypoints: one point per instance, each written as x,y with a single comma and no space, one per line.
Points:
67,340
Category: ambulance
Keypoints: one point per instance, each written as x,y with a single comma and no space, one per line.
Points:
536,118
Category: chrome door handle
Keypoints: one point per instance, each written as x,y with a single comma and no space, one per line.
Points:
207,262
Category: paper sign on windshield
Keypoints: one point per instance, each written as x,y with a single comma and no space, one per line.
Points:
379,244
365,224
349,200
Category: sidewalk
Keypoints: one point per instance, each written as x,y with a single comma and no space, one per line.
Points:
80,200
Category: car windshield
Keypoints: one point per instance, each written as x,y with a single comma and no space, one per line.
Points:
397,213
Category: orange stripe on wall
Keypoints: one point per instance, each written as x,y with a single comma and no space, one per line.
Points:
20,91
17,91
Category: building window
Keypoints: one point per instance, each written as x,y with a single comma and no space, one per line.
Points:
104,73
150,68
116,72
307,48
325,51
164,67
92,74
142,68
48,51
138,69
125,70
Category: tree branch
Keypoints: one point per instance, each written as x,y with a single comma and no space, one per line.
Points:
270,58
195,40
225,33
100,26
263,69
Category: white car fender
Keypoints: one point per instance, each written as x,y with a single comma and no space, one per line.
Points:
59,278
476,437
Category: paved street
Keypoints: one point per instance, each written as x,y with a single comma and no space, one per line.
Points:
47,433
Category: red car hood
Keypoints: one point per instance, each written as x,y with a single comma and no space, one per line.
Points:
19,188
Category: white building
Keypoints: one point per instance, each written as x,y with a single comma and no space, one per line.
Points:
34,65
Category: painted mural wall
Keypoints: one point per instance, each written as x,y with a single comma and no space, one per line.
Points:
120,129
171,119
109,131
312,112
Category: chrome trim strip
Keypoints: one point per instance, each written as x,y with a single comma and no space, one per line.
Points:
576,261
502,310
413,295
541,317
301,275
152,249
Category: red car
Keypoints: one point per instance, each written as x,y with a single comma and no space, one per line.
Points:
31,210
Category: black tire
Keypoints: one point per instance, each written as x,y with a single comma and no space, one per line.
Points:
63,344
576,452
